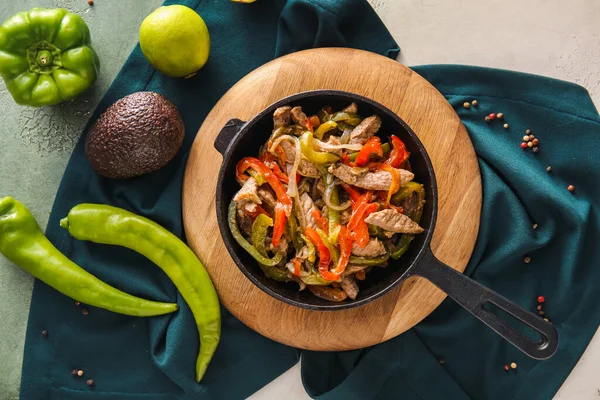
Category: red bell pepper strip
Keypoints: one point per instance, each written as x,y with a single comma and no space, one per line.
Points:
373,146
324,256
297,265
359,208
353,193
259,210
399,154
322,223
345,242
284,202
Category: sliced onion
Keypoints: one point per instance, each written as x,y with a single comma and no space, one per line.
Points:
330,146
292,189
345,138
327,198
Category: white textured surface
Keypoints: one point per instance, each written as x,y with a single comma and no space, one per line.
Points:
555,38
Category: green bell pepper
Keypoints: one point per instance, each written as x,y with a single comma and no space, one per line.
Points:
351,119
46,57
355,260
259,235
312,155
407,190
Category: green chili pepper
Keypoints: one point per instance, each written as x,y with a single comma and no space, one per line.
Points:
317,157
115,226
385,147
259,235
351,119
46,56
408,190
324,128
354,260
239,237
23,242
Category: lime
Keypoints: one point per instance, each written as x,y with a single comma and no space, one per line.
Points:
175,40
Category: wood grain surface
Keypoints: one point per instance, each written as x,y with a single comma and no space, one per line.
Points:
431,117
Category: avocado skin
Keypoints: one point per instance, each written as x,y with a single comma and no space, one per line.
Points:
138,134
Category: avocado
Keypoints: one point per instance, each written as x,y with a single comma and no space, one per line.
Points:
140,133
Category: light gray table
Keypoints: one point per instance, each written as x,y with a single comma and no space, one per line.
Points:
548,37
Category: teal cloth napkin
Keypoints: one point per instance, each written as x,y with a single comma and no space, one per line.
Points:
153,358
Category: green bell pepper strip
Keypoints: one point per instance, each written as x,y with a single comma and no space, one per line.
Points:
385,147
317,157
324,128
23,243
260,180
405,191
114,226
355,260
239,237
315,279
324,116
332,215
259,235
46,57
351,119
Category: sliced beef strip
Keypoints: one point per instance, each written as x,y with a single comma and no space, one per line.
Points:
373,249
282,117
248,193
244,222
267,196
305,168
350,286
308,206
352,269
299,117
365,130
352,108
393,221
362,178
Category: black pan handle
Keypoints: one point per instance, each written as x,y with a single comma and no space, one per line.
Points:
225,137
472,296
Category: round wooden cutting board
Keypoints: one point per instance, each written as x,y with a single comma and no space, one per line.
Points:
432,118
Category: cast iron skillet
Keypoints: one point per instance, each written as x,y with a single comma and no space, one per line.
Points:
240,139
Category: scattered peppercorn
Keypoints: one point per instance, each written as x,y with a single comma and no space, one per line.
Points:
74,372
529,144
77,303
499,115
442,361
531,137
528,131
90,2
523,145
85,311
541,312
527,260
80,372
45,333
548,169
546,319
474,103
571,188
513,365
505,126
539,308
492,116
487,119
541,299
526,138
535,142
466,104
506,367
535,226
90,382
535,149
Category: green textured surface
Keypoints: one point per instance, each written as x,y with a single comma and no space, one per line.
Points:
35,145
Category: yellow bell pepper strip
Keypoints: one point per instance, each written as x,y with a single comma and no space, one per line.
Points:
115,226
239,237
324,128
395,186
23,242
312,155
371,148
284,202
312,256
399,153
260,227
408,190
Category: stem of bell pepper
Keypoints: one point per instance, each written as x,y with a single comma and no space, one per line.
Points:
317,157
284,202
239,237
371,148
